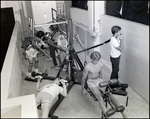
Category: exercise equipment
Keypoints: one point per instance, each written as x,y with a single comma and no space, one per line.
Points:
74,74
105,95
118,91
94,46
106,98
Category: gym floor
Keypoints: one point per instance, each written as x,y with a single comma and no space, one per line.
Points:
75,105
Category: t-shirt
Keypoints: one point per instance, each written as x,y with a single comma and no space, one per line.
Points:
52,89
113,44
62,42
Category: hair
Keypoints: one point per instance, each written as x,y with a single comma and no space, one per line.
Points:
95,56
115,29
40,34
54,27
60,84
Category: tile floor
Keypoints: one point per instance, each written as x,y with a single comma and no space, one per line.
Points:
75,105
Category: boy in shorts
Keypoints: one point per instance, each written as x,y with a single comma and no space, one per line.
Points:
93,71
48,93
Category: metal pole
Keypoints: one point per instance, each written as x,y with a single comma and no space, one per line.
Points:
48,24
93,47
70,29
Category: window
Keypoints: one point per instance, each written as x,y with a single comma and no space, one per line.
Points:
137,11
80,4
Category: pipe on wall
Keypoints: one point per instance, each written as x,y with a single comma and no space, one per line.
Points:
95,9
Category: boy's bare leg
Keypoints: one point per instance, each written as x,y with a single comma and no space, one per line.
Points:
30,68
45,109
30,65
117,104
98,94
101,102
36,64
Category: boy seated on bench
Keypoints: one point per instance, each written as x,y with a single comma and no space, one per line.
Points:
48,93
93,71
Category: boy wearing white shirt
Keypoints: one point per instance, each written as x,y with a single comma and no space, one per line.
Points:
116,45
62,42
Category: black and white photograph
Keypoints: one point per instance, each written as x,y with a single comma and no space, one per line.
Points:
75,59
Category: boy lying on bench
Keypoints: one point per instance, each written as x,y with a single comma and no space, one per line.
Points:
93,71
48,93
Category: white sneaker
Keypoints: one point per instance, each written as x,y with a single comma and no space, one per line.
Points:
30,76
56,67
64,69
37,71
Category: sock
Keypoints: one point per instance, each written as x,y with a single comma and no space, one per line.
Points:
28,74
36,70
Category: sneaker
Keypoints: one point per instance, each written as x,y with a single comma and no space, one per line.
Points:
30,76
56,68
37,71
64,69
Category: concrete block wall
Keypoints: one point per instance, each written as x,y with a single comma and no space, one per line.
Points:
134,65
11,82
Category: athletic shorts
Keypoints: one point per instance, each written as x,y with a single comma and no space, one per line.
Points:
43,97
94,82
31,52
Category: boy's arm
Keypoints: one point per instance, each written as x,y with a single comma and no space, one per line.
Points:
120,47
38,84
121,44
64,93
100,72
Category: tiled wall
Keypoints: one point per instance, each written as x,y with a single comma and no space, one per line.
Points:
134,65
